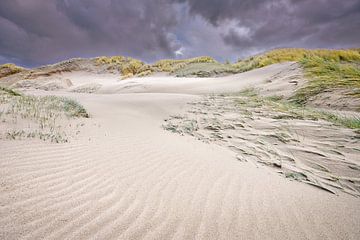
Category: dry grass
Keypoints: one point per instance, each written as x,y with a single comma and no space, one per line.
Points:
170,65
325,69
128,67
205,70
9,69
324,75
297,55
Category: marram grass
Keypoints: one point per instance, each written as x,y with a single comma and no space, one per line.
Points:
324,69
43,112
289,110
9,69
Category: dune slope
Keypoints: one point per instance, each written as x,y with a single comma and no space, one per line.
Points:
124,177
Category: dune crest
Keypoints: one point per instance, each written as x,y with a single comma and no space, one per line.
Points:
124,176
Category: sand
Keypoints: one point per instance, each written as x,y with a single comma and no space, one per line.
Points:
125,177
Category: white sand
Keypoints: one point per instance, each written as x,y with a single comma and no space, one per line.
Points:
124,177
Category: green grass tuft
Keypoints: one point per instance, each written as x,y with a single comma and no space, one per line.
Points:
207,69
325,75
74,109
10,91
283,109
325,70
43,115
9,69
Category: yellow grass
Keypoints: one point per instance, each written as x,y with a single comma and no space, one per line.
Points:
325,69
296,55
171,65
9,69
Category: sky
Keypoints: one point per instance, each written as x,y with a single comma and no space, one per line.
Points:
38,32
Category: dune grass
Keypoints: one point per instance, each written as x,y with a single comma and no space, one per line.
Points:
37,117
205,70
324,74
297,55
9,91
128,66
171,65
9,69
324,69
283,109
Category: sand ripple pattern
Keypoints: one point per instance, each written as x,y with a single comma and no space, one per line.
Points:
136,181
312,151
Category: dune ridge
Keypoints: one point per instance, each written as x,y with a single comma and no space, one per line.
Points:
124,177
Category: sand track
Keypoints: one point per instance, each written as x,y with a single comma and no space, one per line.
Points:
124,177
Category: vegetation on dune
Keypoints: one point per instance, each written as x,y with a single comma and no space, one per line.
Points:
325,69
9,91
170,65
41,115
128,66
290,110
205,70
9,69
17,101
297,55
325,75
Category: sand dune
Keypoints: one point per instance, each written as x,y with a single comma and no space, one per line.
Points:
124,177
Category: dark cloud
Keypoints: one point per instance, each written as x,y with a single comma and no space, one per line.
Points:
34,32
42,31
280,23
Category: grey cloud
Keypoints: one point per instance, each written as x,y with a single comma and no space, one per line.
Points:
280,23
34,32
41,31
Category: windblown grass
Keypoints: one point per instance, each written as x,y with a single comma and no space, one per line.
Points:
325,75
42,116
283,109
170,65
297,55
325,69
9,69
10,91
128,66
205,70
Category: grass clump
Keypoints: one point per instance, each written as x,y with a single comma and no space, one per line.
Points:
127,66
130,67
205,70
296,55
279,108
37,117
325,75
9,69
324,69
170,65
10,91
73,108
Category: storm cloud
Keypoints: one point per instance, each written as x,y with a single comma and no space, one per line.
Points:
279,23
35,32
